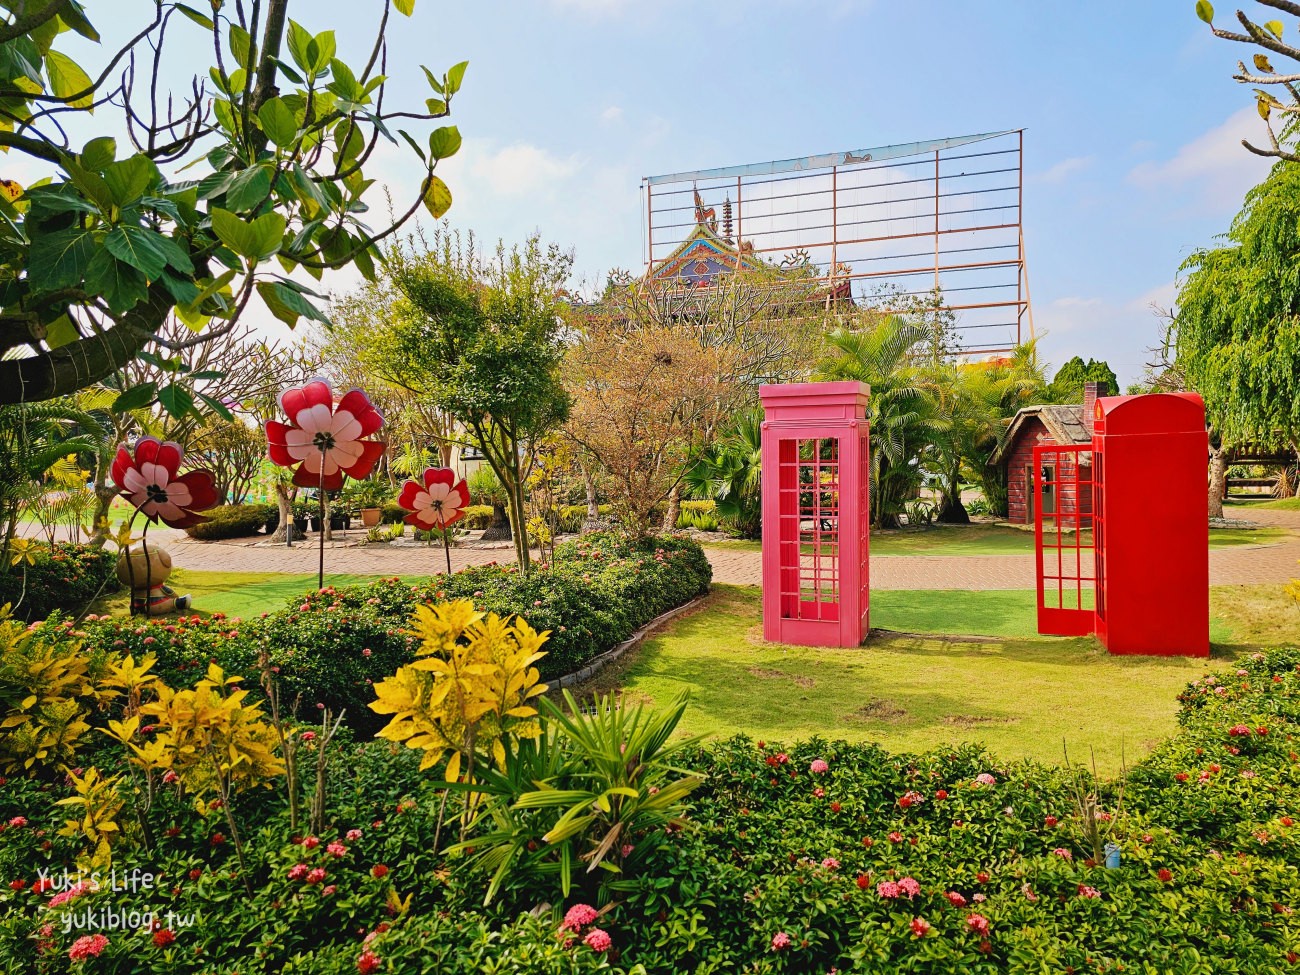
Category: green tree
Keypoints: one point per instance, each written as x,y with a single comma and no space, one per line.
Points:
1067,384
727,473
274,137
481,337
879,351
1236,334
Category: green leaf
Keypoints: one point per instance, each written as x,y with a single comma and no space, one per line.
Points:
194,15
249,188
256,240
137,247
130,178
456,74
59,259
1205,10
278,123
61,331
404,7
325,50
434,83
135,398
74,16
183,290
435,106
98,153
240,45
444,142
300,39
67,79
1274,27
176,399
412,143
437,197
287,304
344,83
120,284
217,406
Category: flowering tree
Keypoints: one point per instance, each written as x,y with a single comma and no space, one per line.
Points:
437,500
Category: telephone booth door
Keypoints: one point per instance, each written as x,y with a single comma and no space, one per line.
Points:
1068,569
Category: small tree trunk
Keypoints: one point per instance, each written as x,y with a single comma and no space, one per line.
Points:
498,529
521,532
1218,480
593,503
283,501
674,508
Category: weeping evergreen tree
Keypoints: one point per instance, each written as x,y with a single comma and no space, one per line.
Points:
1237,330
901,410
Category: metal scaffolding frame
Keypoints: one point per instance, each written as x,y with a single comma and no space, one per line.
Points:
900,220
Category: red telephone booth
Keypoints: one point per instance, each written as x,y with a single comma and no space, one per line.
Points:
1134,566
816,513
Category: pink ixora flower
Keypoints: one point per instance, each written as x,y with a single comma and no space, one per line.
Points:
598,940
830,863
818,766
323,441
1086,891
437,500
149,481
978,923
909,887
1063,853
89,946
888,889
920,927
780,941
578,917
985,779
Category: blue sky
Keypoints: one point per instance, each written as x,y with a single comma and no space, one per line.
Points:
1133,123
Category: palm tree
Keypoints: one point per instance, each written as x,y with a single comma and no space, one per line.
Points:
727,471
901,410
33,438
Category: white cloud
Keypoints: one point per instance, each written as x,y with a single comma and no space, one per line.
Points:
1066,167
1122,332
612,114
1215,164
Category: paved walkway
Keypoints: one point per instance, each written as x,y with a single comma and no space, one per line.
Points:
1239,565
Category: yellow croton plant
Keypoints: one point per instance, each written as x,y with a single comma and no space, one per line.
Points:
469,690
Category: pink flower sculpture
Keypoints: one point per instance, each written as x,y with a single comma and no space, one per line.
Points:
321,437
149,481
439,501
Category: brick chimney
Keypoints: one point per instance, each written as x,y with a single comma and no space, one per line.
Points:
1090,393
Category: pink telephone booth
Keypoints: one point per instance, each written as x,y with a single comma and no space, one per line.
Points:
816,513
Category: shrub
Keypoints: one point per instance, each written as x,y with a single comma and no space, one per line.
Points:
232,521
65,577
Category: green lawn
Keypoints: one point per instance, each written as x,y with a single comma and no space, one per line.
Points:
1021,695
998,540
241,594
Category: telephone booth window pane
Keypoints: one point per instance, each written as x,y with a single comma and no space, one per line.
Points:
810,525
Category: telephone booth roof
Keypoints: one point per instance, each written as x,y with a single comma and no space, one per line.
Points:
1149,413
814,401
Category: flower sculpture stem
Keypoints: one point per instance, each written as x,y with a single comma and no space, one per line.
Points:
320,501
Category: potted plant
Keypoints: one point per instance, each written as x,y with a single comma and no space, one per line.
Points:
302,513
367,498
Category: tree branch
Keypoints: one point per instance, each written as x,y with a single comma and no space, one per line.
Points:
29,22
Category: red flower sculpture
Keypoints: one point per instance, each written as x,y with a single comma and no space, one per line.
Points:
440,501
148,480
321,436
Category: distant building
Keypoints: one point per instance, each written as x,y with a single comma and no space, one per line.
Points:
1047,425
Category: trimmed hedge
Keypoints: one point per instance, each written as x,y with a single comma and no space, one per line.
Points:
331,645
65,579
233,521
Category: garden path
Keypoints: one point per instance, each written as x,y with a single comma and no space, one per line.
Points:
1239,565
